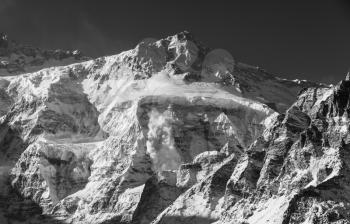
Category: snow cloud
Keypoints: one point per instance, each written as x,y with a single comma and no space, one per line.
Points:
160,144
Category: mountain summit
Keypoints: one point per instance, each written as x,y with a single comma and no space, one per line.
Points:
169,132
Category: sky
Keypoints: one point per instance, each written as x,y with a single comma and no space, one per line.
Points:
304,39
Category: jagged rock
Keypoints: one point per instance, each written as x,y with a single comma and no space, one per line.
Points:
296,120
304,179
201,203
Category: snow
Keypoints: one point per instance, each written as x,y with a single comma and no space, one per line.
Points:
270,212
160,143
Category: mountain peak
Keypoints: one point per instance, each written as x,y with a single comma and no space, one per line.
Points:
185,35
190,37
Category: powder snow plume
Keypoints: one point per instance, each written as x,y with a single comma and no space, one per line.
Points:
160,144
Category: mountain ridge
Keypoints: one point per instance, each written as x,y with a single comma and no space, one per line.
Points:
16,58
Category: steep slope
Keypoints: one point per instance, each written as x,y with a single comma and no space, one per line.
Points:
119,139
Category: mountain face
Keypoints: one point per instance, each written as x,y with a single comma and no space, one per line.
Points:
298,170
171,132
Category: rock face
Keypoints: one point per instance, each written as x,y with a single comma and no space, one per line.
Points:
300,165
171,132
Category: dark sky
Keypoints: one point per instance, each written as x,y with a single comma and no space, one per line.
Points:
306,39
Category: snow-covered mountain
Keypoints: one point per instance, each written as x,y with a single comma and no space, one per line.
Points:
168,132
16,58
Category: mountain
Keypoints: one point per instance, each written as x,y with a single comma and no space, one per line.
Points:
169,132
17,58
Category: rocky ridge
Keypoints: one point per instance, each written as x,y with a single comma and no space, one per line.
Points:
16,58
168,132
300,165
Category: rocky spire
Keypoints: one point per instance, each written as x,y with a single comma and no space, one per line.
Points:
3,40
347,78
